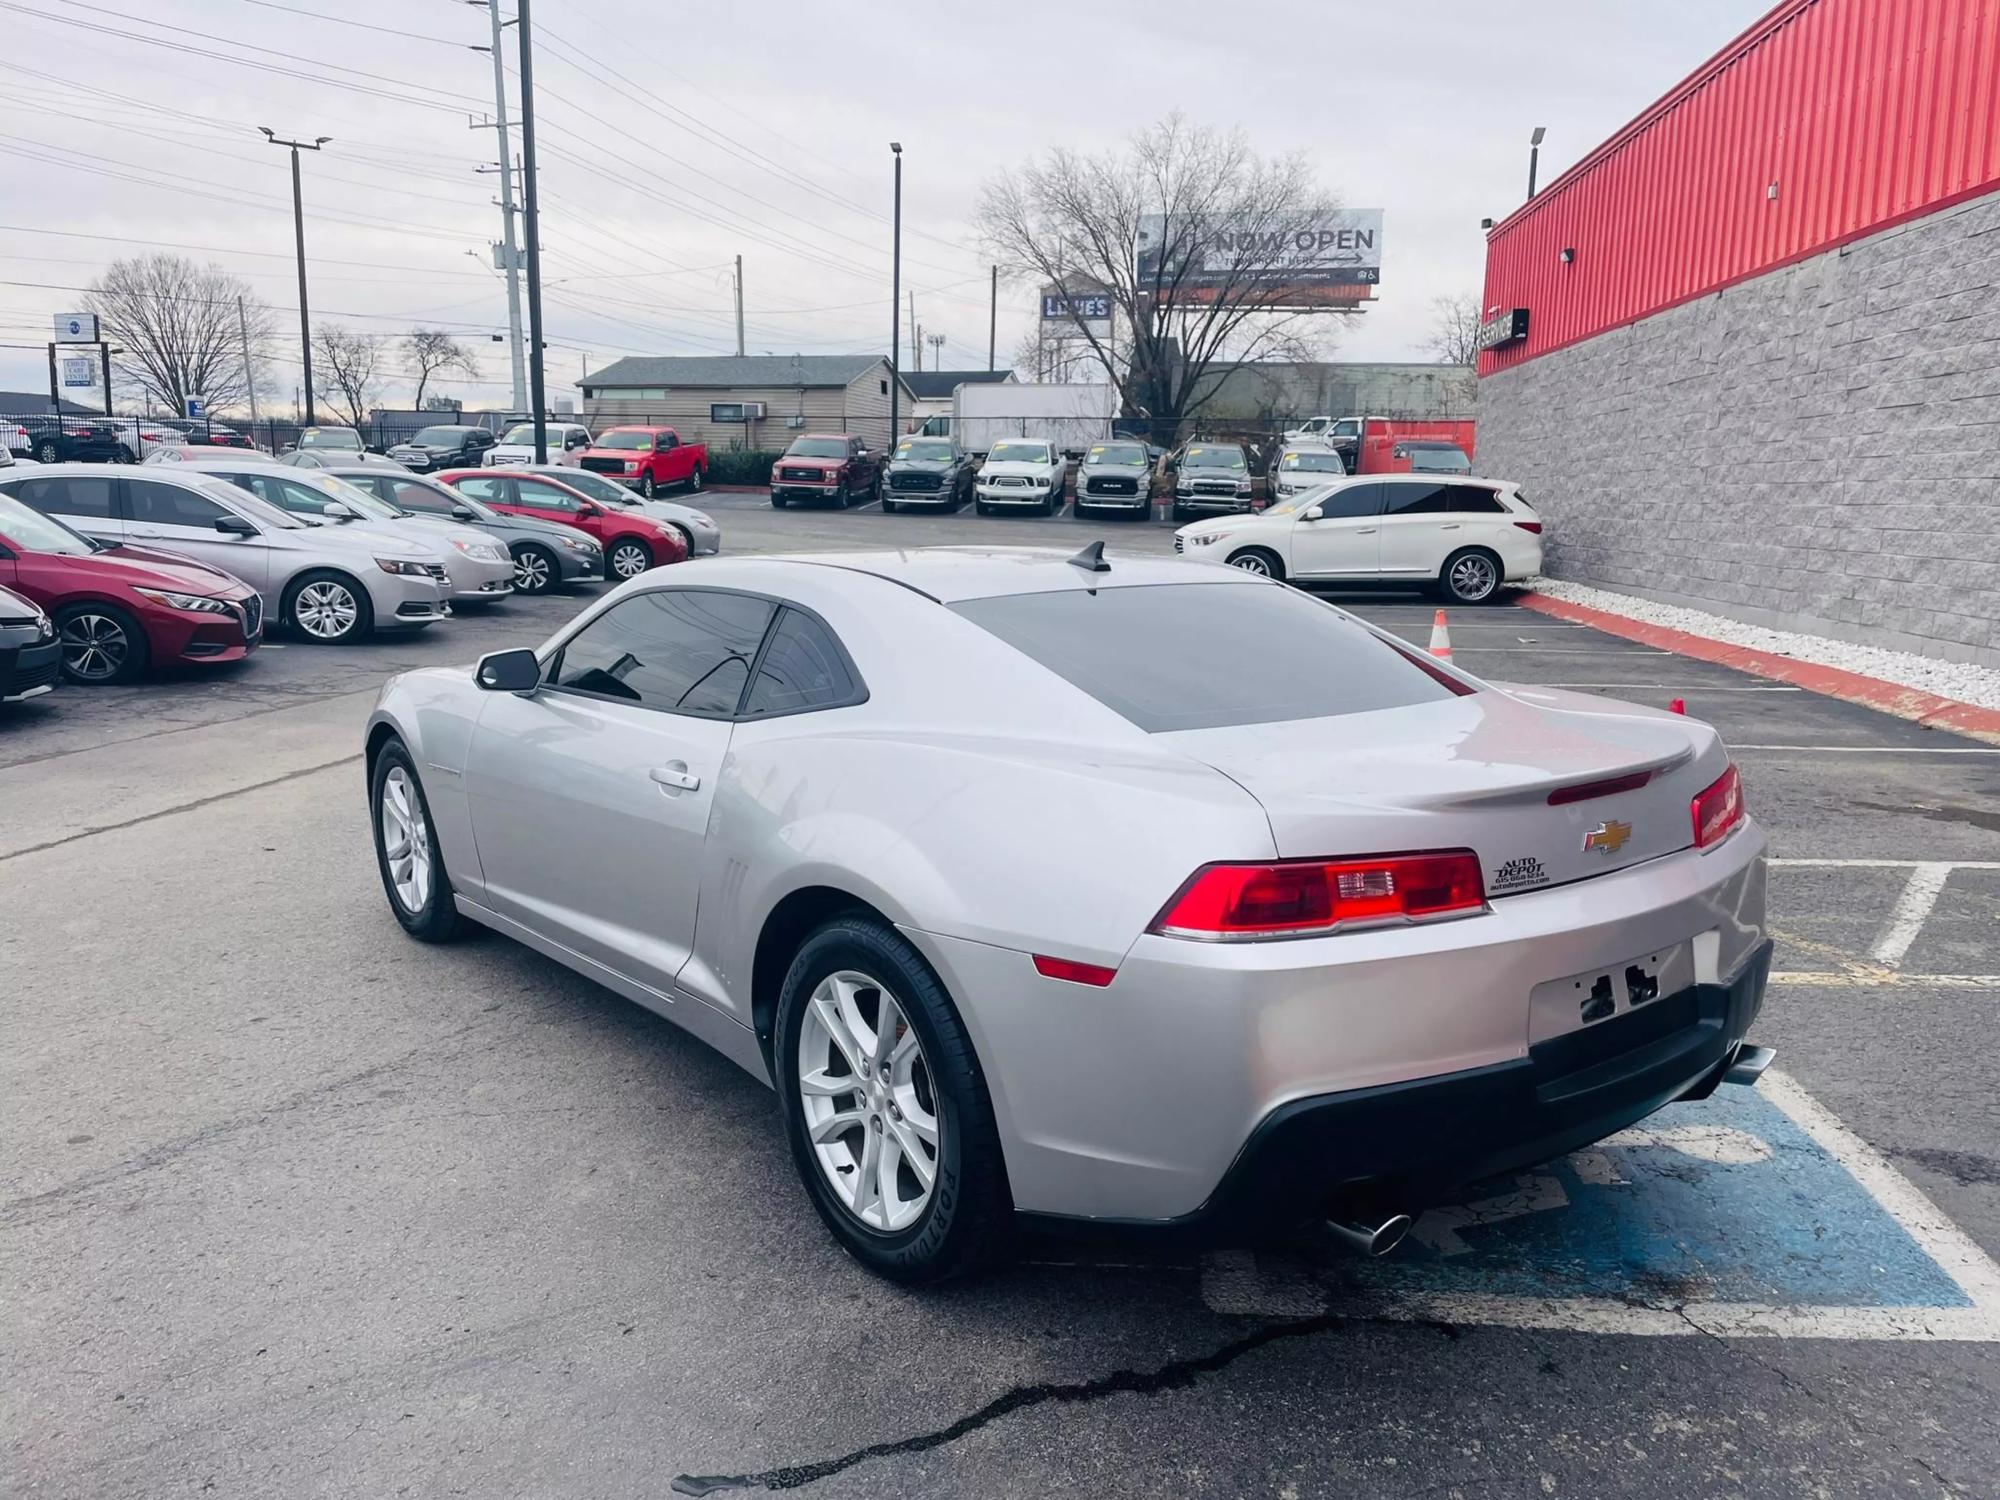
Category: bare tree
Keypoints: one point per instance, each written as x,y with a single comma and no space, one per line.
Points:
431,351
176,322
1454,333
1198,242
351,361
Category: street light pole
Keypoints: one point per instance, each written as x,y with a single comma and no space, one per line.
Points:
1534,156
299,232
896,297
537,385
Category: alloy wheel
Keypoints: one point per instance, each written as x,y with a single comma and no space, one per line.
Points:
869,1102
1473,577
325,610
94,647
406,840
1252,562
531,572
628,560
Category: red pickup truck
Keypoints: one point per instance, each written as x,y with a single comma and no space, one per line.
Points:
649,459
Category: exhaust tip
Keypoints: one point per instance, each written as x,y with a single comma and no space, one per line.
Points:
1371,1236
1749,1063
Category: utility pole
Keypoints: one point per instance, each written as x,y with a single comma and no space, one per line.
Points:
895,299
739,302
508,248
536,389
299,231
249,370
993,323
916,344
936,341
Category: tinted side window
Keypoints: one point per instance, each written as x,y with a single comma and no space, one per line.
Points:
418,497
1355,500
70,495
158,504
541,496
802,668
682,650
495,492
1416,499
1472,499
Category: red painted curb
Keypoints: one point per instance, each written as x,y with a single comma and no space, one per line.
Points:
1927,709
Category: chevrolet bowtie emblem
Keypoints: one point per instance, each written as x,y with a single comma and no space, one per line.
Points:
1608,838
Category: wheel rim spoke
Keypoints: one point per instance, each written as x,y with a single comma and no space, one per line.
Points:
406,841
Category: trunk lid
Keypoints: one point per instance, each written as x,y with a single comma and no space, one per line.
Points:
1475,772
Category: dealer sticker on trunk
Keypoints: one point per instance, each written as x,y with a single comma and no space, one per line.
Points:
1519,874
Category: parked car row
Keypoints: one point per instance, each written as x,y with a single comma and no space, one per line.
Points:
187,560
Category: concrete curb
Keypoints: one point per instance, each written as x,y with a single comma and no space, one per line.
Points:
1927,709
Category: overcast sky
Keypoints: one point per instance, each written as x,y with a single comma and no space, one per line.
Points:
761,131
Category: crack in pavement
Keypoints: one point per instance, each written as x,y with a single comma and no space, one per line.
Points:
1180,1374
168,812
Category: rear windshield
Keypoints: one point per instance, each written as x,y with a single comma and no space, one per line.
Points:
1202,655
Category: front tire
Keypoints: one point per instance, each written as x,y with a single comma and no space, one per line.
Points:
328,608
840,496
536,570
646,487
981,508
885,1107
627,559
1180,512
888,507
101,644
1259,560
1470,576
407,850
777,501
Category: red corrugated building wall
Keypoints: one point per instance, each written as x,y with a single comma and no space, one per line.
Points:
1827,120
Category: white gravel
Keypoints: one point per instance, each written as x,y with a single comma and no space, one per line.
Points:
1947,679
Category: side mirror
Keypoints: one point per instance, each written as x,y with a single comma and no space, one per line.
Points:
576,440
337,510
464,513
588,508
1313,513
233,525
509,672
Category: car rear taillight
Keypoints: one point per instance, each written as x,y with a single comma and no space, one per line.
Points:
1717,810
1534,526
1301,898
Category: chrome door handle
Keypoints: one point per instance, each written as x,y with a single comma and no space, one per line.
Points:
1449,526
141,531
1365,531
675,775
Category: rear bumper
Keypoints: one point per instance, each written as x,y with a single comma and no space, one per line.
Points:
1404,1146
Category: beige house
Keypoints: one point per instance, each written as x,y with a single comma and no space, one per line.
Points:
716,399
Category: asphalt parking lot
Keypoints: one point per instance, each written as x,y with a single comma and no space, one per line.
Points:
296,1206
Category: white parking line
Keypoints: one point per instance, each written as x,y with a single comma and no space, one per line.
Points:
1920,894
1876,749
1883,864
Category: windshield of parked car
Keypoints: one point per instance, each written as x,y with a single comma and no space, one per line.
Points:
1019,453
1208,456
331,437
1242,653
925,453
596,486
363,502
817,448
1133,454
255,507
629,442
34,531
1313,463
441,437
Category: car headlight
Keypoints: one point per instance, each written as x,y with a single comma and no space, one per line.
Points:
1243,486
45,626
397,565
578,543
631,466
699,519
482,551
199,604
1207,540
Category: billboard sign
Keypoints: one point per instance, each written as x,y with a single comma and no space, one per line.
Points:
1066,310
1313,258
79,370
76,328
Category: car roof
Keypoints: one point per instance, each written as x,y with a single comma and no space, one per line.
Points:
949,574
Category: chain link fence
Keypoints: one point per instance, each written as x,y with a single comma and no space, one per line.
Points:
49,439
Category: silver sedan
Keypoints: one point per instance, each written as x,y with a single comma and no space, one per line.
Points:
1108,892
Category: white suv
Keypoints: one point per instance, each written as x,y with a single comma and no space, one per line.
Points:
1462,537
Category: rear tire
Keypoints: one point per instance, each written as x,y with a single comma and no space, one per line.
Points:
407,852
966,1219
1472,575
694,480
536,570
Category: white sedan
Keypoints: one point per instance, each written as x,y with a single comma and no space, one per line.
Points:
1463,537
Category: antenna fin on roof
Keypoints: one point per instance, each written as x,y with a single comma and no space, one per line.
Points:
1091,559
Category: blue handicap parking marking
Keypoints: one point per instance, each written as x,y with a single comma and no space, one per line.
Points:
1722,1200
1751,1213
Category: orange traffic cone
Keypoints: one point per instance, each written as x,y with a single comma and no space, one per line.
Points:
1440,637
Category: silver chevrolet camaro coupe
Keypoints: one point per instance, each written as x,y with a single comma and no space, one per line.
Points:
1092,892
